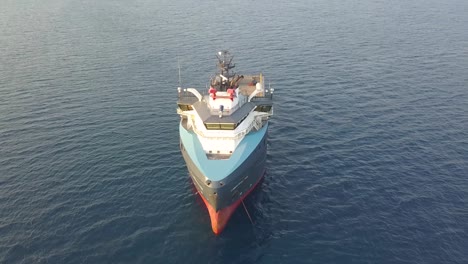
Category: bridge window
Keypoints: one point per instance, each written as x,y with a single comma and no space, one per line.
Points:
263,108
212,126
220,126
185,107
231,126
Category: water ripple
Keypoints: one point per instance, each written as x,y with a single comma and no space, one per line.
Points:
367,151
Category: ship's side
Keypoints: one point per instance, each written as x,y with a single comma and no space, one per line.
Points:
223,193
223,139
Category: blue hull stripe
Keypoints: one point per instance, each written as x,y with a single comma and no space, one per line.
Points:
217,170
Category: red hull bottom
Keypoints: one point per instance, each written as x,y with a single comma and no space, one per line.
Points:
220,219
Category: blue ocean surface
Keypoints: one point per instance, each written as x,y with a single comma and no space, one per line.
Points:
367,152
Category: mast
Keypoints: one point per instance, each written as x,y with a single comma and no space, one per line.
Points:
225,80
178,65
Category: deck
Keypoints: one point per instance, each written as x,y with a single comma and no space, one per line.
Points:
247,85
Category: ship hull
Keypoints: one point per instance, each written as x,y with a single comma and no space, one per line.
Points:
220,218
223,194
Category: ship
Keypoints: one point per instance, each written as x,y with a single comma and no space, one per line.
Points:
223,137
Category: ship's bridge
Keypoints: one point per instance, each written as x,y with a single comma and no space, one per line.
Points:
226,110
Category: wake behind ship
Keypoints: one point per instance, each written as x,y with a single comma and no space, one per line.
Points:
223,133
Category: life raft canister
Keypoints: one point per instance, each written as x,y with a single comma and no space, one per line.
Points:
212,92
230,91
